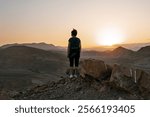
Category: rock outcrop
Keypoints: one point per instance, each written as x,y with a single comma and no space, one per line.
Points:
132,80
123,77
95,68
75,89
144,83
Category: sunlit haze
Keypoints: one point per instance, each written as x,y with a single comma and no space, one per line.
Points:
99,22
110,36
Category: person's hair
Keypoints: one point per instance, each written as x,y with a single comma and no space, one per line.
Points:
74,32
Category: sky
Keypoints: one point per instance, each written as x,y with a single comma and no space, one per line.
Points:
51,21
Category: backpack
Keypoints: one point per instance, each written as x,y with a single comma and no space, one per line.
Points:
74,44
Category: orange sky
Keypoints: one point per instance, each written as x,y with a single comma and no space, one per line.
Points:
51,21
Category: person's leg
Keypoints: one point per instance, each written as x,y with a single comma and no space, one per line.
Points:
71,67
76,73
77,61
71,62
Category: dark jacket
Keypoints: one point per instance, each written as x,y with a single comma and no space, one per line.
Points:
74,47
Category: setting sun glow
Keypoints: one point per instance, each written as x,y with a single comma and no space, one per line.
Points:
110,36
98,22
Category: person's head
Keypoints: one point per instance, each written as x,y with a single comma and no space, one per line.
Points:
74,32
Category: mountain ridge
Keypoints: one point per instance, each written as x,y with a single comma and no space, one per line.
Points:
42,45
144,50
45,46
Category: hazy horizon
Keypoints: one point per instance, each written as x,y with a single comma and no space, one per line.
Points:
97,21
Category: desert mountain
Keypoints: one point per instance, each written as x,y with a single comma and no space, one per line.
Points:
121,52
117,52
41,45
28,57
144,51
132,46
92,53
22,66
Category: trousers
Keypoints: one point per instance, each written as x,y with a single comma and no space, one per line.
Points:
74,61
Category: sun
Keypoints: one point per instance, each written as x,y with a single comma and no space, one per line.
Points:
110,36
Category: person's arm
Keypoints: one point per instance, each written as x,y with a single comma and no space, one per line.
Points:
68,50
80,46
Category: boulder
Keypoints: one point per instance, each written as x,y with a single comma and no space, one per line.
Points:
95,68
144,84
129,79
123,77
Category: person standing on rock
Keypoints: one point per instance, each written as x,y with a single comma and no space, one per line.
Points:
74,49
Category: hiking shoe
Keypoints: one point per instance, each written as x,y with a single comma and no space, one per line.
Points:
71,76
75,76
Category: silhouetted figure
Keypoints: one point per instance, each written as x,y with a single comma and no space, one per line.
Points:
74,49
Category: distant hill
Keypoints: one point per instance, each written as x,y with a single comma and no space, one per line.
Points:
92,53
121,51
132,46
144,50
22,67
41,45
115,53
23,56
